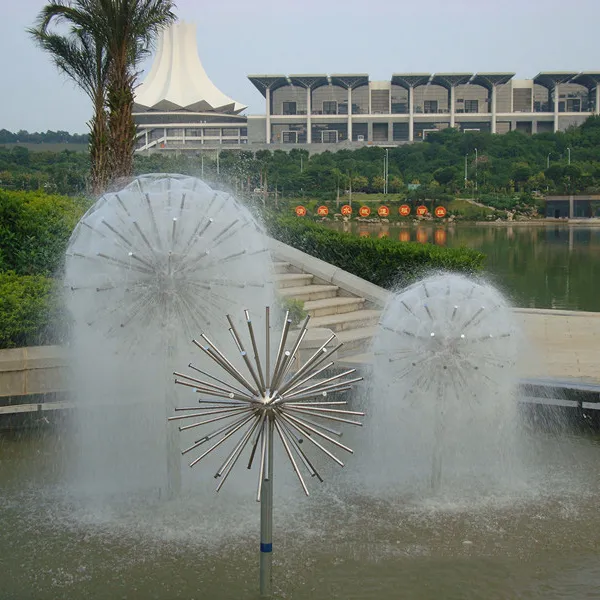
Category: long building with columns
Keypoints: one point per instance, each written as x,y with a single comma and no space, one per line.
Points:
178,107
330,109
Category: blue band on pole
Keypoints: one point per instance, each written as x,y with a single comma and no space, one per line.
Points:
266,547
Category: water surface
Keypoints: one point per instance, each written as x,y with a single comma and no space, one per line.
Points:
536,266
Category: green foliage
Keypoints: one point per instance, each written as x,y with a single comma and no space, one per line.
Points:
30,313
295,309
35,229
381,261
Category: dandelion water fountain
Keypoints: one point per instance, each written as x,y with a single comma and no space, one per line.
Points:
445,358
278,399
146,267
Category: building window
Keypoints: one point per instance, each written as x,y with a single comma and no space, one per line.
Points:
329,137
289,137
212,132
574,105
430,106
289,108
471,106
330,107
230,132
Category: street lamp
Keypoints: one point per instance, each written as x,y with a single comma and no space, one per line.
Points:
466,173
476,169
386,163
548,160
568,156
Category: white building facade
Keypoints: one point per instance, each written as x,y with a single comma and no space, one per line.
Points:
179,108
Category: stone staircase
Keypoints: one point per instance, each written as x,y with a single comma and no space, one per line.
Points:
351,318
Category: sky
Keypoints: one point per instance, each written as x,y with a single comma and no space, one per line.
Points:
378,37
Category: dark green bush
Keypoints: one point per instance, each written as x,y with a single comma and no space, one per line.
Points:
34,230
30,311
381,261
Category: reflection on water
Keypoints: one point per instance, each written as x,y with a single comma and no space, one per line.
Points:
537,266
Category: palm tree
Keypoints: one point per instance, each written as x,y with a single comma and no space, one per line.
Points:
129,29
125,30
86,63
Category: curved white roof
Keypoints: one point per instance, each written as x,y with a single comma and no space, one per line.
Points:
177,79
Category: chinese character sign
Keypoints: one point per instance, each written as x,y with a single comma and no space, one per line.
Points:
364,211
421,210
404,210
440,211
301,211
346,210
322,211
383,211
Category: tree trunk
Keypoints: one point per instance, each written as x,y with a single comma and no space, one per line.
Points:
121,127
98,146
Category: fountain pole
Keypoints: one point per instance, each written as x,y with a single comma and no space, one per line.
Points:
266,519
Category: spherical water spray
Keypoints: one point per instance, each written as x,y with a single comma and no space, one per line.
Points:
446,354
147,268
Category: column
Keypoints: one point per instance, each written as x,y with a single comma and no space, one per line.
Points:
452,107
349,113
597,107
390,131
571,207
411,113
308,113
556,98
369,131
268,119
493,92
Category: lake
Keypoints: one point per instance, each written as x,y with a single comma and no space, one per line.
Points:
536,266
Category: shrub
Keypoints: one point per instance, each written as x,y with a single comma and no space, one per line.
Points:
30,311
381,261
34,230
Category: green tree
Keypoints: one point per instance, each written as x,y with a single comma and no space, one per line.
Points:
84,59
444,175
125,30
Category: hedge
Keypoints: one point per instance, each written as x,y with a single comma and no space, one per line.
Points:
30,311
384,262
34,230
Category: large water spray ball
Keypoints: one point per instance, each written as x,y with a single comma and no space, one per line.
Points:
449,331
165,253
444,381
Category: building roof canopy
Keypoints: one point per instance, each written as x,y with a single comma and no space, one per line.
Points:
408,80
589,79
489,80
448,80
351,81
549,79
177,78
268,82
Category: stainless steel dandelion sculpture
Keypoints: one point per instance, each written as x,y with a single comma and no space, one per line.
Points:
275,399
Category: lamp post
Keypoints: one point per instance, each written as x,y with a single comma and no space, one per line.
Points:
568,156
386,166
466,173
475,169
548,160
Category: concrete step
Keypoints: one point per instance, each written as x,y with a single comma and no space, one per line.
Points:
287,280
349,320
356,361
281,267
356,341
310,292
333,306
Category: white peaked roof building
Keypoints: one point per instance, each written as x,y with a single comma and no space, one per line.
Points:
178,105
